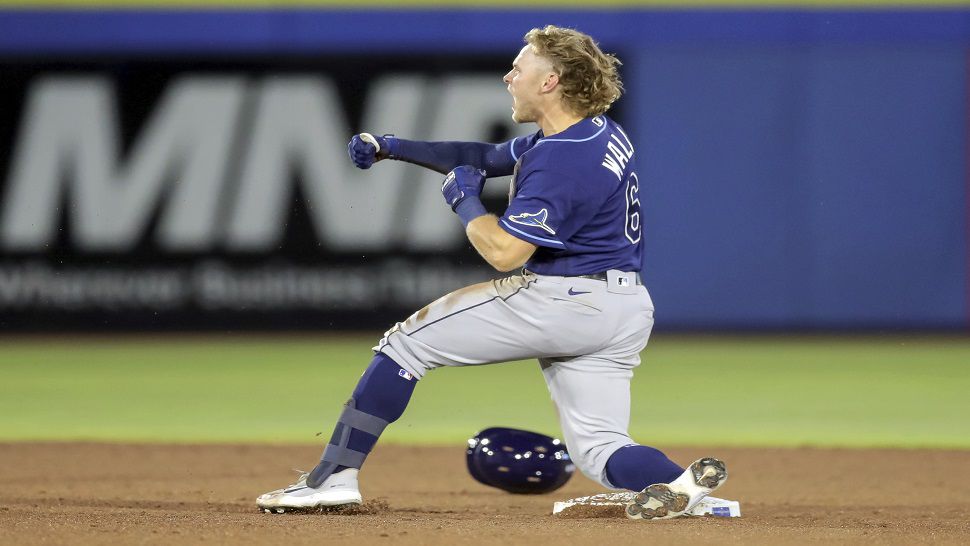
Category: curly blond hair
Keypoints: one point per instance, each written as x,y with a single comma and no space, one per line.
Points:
588,77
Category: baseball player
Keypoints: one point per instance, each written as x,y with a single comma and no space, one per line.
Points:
578,304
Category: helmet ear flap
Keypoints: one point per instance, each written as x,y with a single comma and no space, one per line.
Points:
518,461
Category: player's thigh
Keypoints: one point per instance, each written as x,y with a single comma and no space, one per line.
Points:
630,319
515,318
478,324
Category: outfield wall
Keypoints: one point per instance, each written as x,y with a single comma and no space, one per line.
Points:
803,168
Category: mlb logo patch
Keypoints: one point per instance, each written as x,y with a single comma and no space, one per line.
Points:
623,281
723,511
405,375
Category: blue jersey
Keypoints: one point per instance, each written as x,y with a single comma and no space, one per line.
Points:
575,196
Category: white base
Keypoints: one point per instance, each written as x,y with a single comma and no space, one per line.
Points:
712,506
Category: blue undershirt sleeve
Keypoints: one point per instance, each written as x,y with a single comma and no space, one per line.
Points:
494,159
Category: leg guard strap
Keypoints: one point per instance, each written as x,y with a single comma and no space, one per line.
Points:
354,418
337,454
343,456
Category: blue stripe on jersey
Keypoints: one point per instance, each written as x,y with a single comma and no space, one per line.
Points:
572,139
530,236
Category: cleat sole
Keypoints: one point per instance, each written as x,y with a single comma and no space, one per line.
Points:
709,472
317,509
657,501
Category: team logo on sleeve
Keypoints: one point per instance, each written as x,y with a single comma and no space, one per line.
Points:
537,219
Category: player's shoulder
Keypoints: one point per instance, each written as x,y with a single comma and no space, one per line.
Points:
520,145
579,136
572,149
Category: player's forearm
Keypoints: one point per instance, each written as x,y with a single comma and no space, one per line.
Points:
442,157
501,250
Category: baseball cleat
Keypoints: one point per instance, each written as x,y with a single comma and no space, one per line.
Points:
665,501
337,490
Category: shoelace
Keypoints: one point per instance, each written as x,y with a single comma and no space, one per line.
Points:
301,481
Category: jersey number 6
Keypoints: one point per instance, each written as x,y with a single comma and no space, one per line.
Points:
632,228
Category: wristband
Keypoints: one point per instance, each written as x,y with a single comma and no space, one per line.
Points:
392,146
470,208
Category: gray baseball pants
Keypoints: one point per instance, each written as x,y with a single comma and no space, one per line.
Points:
586,333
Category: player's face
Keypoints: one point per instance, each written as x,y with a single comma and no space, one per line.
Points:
525,82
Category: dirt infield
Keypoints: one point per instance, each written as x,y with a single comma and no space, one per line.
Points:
103,493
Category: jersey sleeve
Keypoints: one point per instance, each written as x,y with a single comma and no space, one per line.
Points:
542,210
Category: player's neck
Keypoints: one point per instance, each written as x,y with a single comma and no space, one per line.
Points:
556,121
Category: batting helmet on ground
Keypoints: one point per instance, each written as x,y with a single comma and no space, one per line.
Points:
518,461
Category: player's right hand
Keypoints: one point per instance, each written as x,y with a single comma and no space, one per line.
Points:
461,183
364,149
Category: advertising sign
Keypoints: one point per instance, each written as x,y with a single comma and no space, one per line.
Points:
218,194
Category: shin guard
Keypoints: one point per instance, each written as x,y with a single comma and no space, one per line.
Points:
338,454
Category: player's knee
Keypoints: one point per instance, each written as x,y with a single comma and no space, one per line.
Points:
415,356
407,361
409,354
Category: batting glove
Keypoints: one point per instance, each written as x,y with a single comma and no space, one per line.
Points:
364,149
462,188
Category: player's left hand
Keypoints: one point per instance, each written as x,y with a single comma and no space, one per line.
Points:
461,183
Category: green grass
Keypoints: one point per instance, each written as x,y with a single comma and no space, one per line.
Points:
743,391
